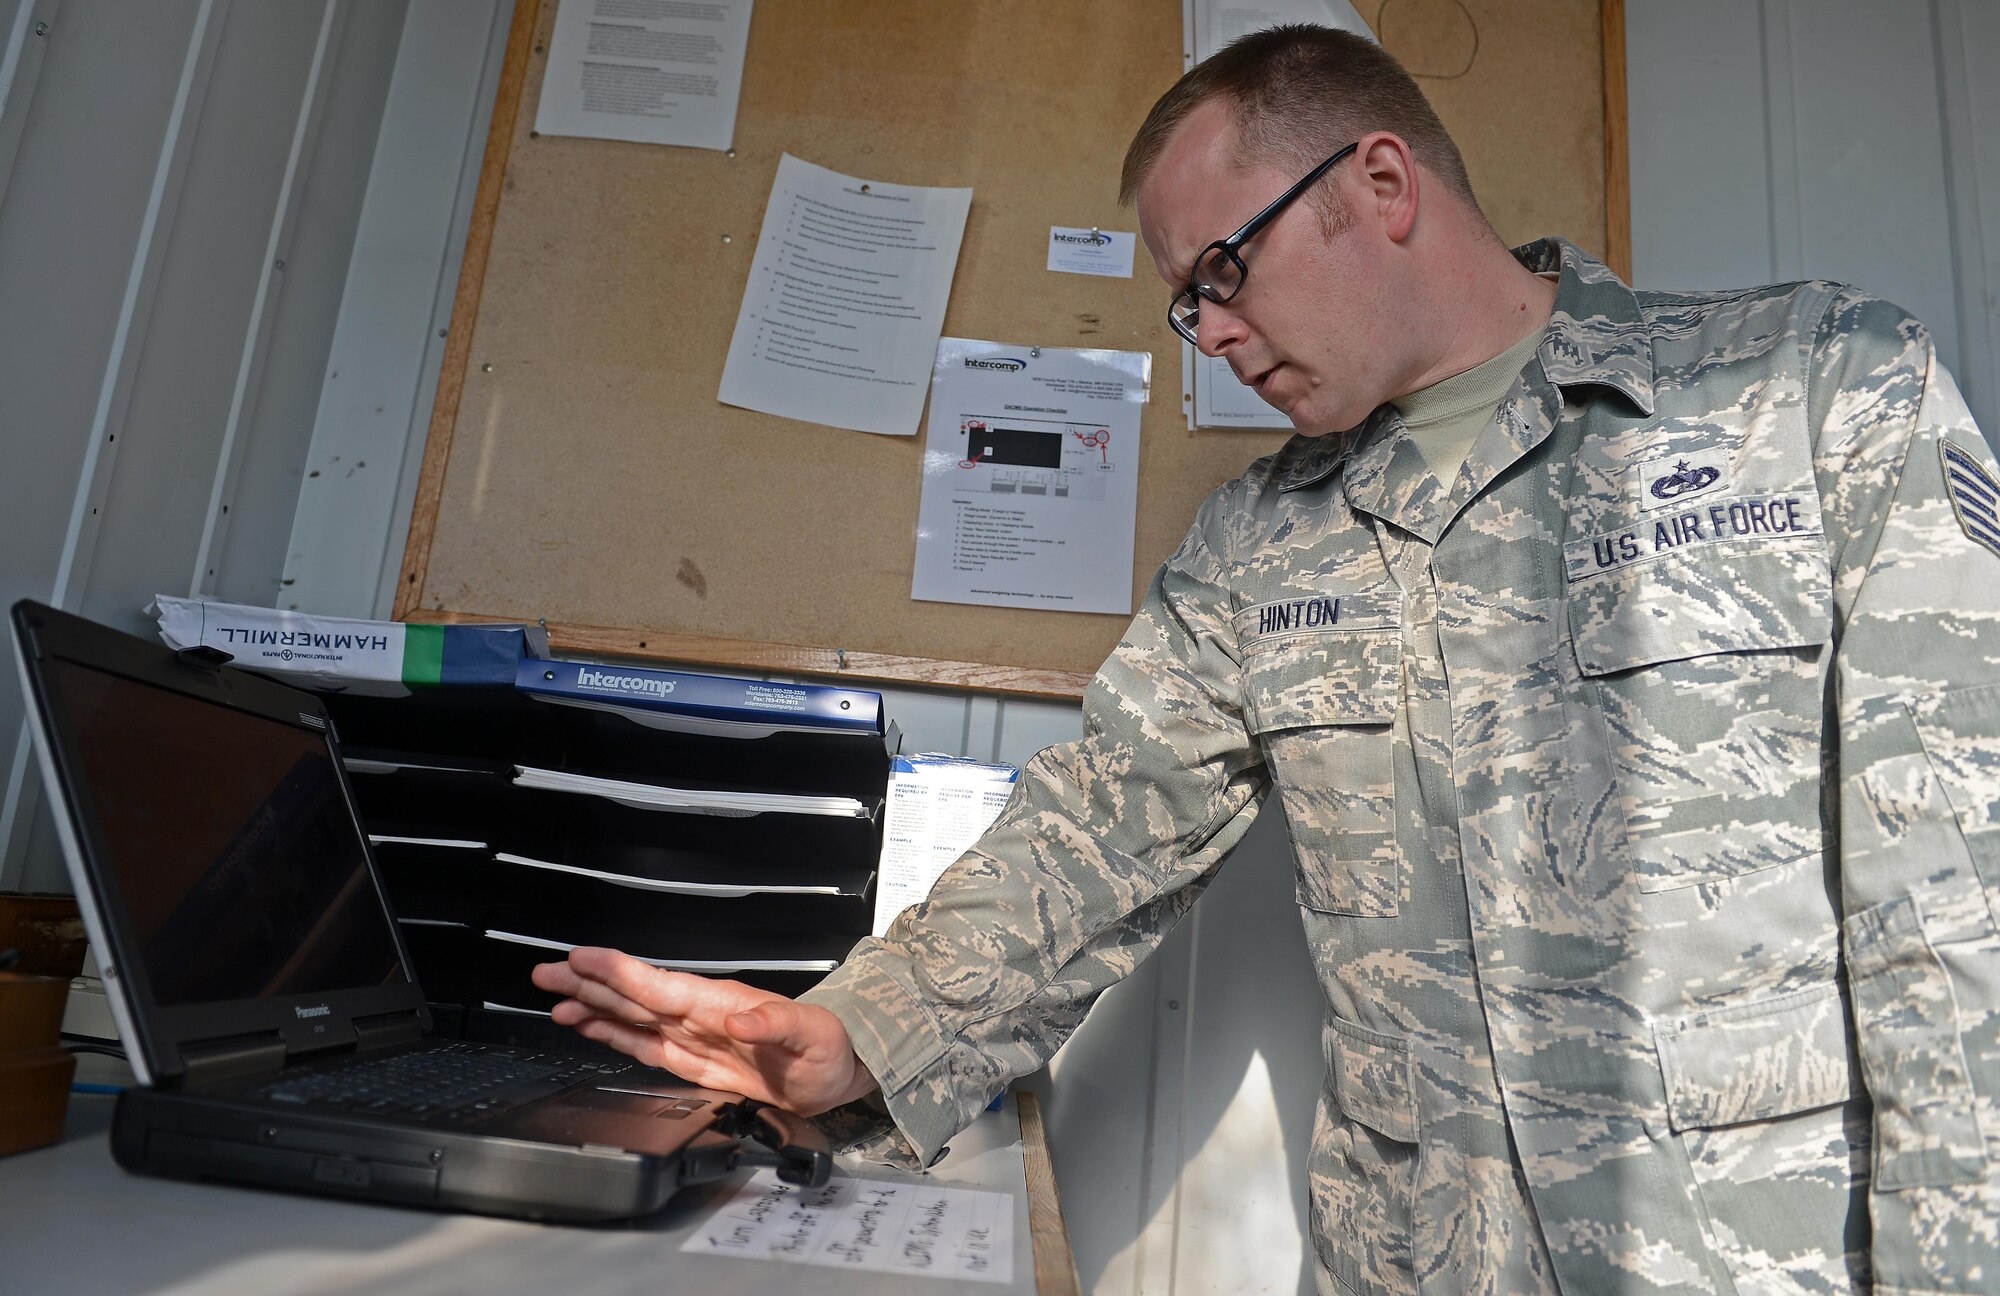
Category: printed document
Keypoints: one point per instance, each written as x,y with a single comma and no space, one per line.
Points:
871,1224
647,71
846,299
1031,477
938,806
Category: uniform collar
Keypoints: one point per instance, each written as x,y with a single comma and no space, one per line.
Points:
1595,337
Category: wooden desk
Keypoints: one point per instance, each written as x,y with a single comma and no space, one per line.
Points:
72,1221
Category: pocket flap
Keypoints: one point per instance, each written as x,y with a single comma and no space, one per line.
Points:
1756,1061
1372,1080
1347,677
1724,598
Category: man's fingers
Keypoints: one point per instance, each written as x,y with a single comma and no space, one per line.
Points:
718,1033
633,1041
603,999
556,978
669,994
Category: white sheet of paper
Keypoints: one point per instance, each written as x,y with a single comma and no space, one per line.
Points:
1031,477
938,806
1091,251
647,71
846,299
866,1224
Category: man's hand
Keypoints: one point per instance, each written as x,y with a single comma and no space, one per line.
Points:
717,1034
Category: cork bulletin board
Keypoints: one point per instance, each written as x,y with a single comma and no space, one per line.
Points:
579,469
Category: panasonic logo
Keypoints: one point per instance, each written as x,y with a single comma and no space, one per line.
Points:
605,682
320,1010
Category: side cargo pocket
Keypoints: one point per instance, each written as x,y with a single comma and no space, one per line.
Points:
1363,1166
1765,1099
1960,732
1912,1054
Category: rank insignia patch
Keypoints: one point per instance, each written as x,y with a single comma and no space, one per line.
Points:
1675,479
1975,495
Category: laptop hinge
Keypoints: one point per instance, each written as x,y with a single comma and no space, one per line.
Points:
226,1059
386,1029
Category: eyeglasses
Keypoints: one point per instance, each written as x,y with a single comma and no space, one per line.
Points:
1219,272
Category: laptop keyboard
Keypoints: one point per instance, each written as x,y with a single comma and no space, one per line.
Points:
455,1084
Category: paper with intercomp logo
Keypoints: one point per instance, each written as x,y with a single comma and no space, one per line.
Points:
1091,252
1031,477
869,1224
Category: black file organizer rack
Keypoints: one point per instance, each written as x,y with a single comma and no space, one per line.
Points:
490,877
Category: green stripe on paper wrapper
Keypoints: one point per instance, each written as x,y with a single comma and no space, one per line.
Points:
423,654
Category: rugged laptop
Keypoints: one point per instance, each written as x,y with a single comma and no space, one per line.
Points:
262,988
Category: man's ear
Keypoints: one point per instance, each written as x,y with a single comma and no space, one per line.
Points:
1389,172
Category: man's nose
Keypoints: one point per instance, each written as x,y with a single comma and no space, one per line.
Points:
1217,329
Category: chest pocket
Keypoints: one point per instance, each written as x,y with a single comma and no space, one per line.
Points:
1323,703
1708,673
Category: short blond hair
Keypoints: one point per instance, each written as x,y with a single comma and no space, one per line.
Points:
1300,92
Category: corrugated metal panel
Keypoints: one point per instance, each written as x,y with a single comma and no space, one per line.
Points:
375,405
159,163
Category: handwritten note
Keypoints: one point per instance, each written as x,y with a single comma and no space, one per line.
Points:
866,1224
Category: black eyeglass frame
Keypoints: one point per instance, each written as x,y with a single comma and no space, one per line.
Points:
1195,293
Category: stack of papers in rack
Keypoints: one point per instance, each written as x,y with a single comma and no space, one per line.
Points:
646,796
720,890
443,843
723,966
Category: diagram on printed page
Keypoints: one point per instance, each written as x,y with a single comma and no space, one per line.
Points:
1030,477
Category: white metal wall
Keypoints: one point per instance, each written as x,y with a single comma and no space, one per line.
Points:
178,183
1841,139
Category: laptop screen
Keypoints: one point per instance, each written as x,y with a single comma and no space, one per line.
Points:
241,867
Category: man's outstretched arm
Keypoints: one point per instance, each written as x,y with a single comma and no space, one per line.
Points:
1913,488
717,1034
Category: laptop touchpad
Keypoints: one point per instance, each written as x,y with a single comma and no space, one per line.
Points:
643,1122
658,1101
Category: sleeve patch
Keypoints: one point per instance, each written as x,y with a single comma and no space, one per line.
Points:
1975,495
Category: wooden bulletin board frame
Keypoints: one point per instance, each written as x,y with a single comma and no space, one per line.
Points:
1023,652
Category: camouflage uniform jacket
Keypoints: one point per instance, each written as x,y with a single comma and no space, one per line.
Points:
1644,784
